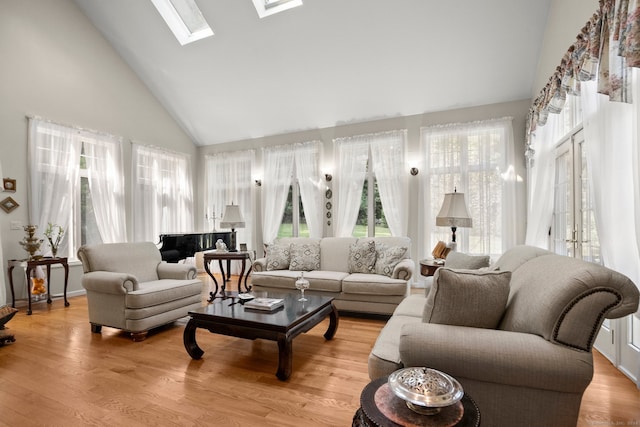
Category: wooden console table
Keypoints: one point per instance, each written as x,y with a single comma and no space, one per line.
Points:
29,266
242,256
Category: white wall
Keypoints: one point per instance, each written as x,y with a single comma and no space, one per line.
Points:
56,65
566,19
517,110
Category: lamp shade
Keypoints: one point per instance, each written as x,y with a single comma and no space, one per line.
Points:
232,217
454,212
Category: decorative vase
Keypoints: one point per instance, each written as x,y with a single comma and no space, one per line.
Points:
31,243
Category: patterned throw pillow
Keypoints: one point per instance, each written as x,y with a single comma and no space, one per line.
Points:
305,256
387,258
362,257
278,257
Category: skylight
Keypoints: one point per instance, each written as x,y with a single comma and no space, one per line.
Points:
269,7
184,18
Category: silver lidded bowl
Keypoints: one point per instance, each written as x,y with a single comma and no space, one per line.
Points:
425,390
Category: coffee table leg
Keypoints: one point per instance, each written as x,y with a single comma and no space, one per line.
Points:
333,323
189,339
285,358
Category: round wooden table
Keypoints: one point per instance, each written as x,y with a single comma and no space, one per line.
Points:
380,407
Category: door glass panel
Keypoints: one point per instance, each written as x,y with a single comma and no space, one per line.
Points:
563,215
589,243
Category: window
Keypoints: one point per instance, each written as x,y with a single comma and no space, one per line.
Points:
162,193
371,185
184,18
77,183
293,220
474,159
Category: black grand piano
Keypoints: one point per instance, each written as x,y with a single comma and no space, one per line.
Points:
183,245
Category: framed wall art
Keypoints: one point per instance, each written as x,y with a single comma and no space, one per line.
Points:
8,204
9,185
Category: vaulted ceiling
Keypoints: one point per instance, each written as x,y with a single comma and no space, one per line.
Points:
328,62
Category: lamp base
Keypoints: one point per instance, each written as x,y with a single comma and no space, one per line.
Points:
232,242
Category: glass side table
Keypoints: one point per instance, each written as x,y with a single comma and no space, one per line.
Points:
29,266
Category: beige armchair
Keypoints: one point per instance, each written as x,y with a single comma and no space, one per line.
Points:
521,346
130,288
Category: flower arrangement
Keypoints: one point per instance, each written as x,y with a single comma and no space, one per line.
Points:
54,234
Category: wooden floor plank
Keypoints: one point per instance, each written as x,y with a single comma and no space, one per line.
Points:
58,373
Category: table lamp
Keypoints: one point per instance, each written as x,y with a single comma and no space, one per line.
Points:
454,214
232,219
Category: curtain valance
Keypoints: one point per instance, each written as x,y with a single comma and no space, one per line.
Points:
606,47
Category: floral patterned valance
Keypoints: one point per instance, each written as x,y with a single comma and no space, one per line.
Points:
604,50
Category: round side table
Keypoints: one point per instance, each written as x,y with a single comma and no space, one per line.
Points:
379,407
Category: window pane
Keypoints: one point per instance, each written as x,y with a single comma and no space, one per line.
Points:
303,229
590,243
286,225
360,230
382,229
89,233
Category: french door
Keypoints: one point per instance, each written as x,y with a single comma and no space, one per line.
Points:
574,234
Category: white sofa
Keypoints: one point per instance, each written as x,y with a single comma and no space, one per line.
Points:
353,291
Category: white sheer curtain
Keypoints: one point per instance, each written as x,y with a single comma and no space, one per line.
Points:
541,183
103,158
278,172
611,135
388,161
3,286
54,165
162,193
311,184
351,156
477,159
229,180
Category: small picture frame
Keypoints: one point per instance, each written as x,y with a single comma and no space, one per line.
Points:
328,194
9,185
243,247
8,204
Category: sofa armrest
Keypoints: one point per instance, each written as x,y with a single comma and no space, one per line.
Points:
107,282
177,271
404,269
260,264
496,356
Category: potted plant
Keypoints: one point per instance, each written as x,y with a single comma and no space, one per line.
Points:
54,234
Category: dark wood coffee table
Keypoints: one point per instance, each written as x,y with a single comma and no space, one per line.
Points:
282,325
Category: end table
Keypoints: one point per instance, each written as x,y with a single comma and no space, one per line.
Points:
380,407
29,266
428,267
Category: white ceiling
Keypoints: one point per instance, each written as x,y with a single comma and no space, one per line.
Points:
328,62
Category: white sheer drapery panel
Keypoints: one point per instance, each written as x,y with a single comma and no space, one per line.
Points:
54,167
610,135
229,181
311,184
476,159
351,156
162,193
390,168
278,173
106,182
541,183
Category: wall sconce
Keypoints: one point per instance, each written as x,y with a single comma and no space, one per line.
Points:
328,177
258,183
414,171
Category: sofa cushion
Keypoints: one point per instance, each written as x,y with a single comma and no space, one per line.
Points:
387,257
326,281
334,253
373,284
162,291
466,262
278,256
467,298
305,256
362,257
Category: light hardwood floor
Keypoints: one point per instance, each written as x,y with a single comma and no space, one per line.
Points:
58,373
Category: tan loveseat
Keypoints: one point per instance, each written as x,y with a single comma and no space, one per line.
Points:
364,292
518,337
129,287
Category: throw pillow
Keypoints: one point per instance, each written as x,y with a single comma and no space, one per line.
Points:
362,257
466,262
467,298
387,258
278,257
305,256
